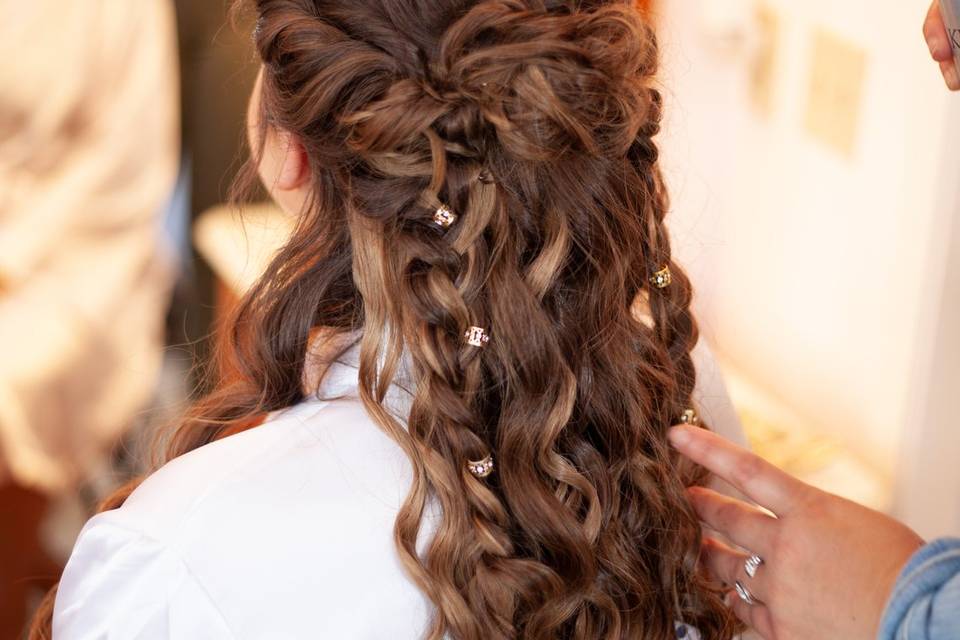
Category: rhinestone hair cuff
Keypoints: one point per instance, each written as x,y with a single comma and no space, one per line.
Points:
662,279
477,336
444,217
481,468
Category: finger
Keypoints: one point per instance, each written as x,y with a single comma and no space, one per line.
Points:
756,616
745,525
755,477
726,564
950,75
935,34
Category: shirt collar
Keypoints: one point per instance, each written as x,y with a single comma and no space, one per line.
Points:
342,379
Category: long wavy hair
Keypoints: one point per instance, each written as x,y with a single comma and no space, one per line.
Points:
534,121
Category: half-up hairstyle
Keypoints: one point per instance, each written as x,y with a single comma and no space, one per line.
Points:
534,122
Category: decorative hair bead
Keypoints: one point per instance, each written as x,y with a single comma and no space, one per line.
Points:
477,336
481,468
690,417
485,177
444,217
662,279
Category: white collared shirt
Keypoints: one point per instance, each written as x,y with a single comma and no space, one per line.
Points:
283,531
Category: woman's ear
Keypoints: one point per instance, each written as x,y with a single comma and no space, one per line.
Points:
283,164
285,171
293,172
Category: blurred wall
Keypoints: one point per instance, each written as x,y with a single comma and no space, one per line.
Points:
821,273
218,69
928,492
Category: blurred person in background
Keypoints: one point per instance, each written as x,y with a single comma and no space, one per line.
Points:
88,157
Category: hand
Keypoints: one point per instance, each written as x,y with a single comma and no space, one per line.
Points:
941,47
829,565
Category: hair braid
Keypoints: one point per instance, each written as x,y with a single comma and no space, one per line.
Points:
442,279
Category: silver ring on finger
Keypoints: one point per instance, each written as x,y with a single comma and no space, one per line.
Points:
744,593
751,565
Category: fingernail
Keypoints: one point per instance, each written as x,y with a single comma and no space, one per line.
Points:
952,78
939,48
678,435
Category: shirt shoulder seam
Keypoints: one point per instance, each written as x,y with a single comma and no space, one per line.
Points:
173,553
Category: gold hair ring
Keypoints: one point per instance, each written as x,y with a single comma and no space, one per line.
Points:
481,468
476,336
690,417
444,217
662,279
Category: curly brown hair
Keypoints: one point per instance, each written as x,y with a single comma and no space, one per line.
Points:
534,121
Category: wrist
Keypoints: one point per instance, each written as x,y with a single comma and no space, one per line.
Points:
889,575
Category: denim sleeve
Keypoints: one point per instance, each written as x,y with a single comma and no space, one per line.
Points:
925,603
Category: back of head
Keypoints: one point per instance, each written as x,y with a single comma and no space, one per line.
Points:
533,122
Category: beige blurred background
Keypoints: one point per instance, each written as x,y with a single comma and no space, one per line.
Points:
120,123
809,148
